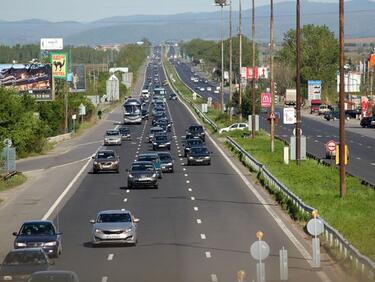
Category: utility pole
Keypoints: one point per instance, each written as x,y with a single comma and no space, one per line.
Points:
66,105
342,106
240,55
230,52
298,83
272,86
222,59
253,81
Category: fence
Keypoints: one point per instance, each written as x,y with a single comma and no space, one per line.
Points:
8,161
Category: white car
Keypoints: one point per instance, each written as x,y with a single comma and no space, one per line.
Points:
209,89
235,126
202,89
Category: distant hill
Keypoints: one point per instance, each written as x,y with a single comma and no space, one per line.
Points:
359,23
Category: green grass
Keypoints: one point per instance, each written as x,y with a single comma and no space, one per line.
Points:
12,182
318,186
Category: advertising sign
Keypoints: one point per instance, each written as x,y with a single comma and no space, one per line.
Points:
265,100
263,72
352,82
314,89
77,78
247,72
59,62
51,44
34,79
289,116
366,107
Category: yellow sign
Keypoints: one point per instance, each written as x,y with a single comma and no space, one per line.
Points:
338,154
59,63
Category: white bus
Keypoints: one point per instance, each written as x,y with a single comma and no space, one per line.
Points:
132,111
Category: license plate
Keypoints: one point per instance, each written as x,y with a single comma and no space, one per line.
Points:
199,161
113,236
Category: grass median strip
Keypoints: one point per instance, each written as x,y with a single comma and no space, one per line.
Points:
318,186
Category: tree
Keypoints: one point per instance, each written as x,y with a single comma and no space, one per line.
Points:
319,55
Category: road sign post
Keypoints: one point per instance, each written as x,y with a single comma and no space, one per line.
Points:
315,227
260,250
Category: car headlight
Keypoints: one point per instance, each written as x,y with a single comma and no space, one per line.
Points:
155,144
98,231
190,158
115,162
106,139
207,157
50,244
95,163
19,244
129,229
154,175
131,176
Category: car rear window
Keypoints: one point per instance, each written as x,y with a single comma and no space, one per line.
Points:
27,257
114,217
37,229
106,155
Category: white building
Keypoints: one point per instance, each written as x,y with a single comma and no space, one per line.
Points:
113,88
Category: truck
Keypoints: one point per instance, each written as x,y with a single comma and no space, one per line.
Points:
290,97
315,105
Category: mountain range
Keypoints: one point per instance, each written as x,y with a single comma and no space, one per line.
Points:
359,22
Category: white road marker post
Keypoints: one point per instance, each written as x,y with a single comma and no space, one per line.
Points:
260,250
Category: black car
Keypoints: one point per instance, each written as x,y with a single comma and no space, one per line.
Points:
125,133
199,155
195,130
166,160
161,141
40,234
106,160
332,115
173,96
19,264
368,122
157,117
163,123
145,114
194,142
143,174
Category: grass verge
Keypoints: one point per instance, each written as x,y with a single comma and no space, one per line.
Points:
14,181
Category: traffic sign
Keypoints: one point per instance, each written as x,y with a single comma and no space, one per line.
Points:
315,227
260,250
272,115
294,131
331,145
82,110
8,142
265,100
289,116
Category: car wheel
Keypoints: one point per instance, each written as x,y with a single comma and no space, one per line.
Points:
130,186
169,148
188,163
156,186
117,170
94,171
209,163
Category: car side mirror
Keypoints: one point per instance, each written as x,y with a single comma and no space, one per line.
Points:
15,233
92,221
136,220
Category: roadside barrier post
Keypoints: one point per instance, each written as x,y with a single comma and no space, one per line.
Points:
260,250
315,227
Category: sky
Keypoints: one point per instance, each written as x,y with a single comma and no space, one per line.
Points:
90,10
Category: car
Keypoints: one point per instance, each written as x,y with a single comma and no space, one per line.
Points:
166,160
199,155
209,89
368,122
173,96
142,174
202,89
164,123
53,275
216,91
323,109
153,131
161,141
19,264
195,130
332,115
145,114
106,160
125,133
189,143
39,233
114,226
152,157
235,126
112,137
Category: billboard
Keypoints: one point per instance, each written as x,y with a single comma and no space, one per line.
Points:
59,62
247,72
314,89
33,79
265,100
51,44
352,82
77,81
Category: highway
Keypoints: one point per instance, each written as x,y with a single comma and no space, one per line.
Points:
318,132
198,226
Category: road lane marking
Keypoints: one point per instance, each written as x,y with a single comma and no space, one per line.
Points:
196,209
185,175
203,236
373,164
199,221
128,191
190,190
214,278
110,257
181,159
358,158
187,181
208,254
184,169
125,200
192,198
359,144
104,279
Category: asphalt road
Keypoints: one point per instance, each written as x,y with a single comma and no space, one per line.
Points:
360,141
198,226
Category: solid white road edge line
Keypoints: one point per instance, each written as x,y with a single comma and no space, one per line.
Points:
281,224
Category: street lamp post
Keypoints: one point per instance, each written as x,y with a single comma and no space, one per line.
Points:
230,52
272,86
240,57
253,78
298,82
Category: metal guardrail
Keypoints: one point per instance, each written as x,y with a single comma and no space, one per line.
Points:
332,236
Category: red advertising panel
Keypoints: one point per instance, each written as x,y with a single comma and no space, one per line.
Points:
265,100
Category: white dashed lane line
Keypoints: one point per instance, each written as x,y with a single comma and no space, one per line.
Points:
192,198
184,169
208,254
199,221
110,257
373,164
186,175
214,278
203,236
127,191
125,200
190,190
104,279
196,209
187,181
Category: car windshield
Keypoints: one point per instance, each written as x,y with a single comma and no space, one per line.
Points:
156,130
147,158
106,155
165,157
124,130
27,257
142,167
199,150
194,142
39,229
195,129
161,138
114,217
113,133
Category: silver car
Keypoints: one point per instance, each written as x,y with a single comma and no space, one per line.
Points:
114,226
112,137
